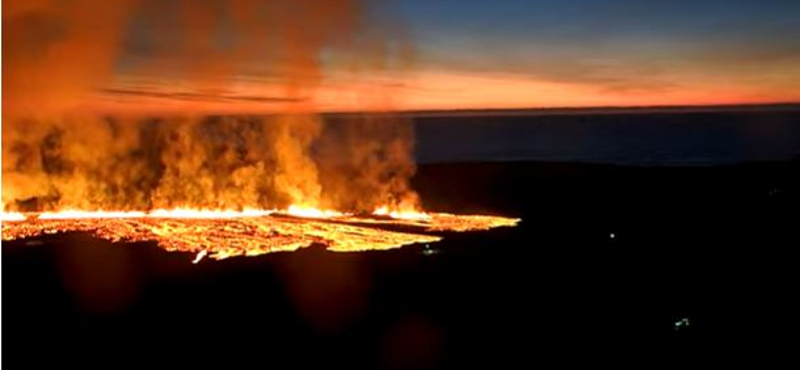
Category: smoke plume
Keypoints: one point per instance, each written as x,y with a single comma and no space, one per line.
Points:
205,104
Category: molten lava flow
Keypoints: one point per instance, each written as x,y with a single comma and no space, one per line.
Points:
203,213
401,214
222,234
12,216
311,212
75,214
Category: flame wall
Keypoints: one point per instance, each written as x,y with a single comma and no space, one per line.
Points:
178,67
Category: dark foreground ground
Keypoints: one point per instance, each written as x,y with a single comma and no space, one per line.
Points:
605,263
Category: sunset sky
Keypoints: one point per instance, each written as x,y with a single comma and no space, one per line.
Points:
614,52
409,54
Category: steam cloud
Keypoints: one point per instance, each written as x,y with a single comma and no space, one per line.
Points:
64,147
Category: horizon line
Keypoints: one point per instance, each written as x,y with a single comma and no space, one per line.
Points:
610,109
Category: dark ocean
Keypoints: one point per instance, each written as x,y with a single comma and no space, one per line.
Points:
668,138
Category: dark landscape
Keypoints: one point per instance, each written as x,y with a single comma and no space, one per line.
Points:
400,184
631,263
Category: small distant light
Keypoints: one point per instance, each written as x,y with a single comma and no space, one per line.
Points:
612,235
681,323
428,251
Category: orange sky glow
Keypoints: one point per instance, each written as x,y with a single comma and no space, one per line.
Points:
430,90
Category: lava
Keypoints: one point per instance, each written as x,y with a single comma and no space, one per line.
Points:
220,234
311,212
12,216
402,214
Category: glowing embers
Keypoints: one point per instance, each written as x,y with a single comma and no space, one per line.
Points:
222,234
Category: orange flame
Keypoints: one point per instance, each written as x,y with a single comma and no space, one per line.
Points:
12,217
76,214
401,214
189,213
311,212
